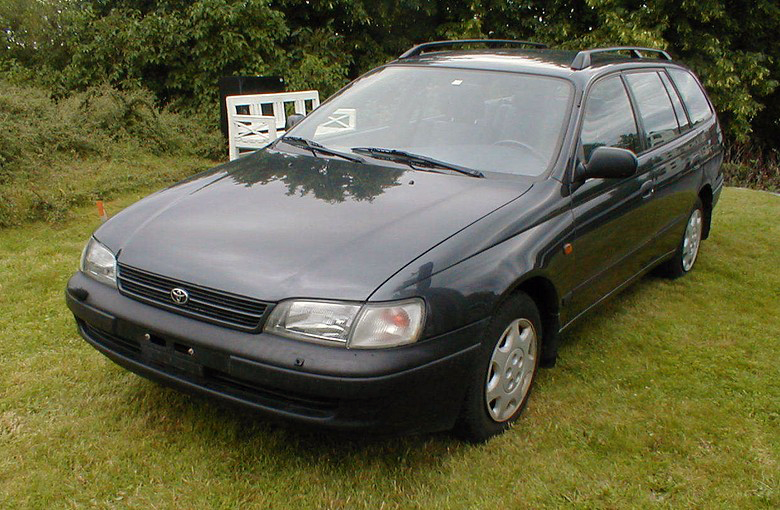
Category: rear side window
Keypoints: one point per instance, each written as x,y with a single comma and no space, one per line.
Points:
655,107
682,120
609,120
692,95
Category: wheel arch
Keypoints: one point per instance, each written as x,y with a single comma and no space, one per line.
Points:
545,295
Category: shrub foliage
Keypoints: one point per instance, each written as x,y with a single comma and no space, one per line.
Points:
53,153
178,49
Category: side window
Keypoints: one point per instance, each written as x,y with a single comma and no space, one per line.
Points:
679,111
692,95
608,119
655,107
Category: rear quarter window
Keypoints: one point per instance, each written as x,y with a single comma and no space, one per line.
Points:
692,95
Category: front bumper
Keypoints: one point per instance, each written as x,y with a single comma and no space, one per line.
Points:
412,388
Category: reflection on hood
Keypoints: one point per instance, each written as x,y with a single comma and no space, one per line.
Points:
317,177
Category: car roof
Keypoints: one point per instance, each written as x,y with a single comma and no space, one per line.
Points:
550,62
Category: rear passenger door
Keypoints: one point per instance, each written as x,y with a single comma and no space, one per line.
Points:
667,155
612,232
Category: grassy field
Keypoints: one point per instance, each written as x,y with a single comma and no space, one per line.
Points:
669,396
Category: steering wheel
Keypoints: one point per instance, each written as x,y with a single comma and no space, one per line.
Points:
521,145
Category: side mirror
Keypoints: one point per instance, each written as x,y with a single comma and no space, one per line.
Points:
608,163
292,120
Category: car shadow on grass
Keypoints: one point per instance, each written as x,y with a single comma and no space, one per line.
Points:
251,436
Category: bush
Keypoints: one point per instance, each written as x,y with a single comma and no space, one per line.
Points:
54,154
748,167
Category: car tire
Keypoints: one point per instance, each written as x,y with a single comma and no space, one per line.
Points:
688,250
505,372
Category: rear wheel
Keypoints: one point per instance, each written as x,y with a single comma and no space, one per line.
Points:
688,250
507,367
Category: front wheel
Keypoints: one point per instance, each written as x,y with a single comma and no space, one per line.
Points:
507,367
688,250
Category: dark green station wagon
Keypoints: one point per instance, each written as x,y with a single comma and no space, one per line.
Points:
413,268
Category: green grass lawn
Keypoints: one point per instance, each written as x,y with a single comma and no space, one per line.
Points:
668,396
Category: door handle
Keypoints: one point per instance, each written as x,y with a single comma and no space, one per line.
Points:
647,189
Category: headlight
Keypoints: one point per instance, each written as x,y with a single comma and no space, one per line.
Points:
355,326
98,262
313,320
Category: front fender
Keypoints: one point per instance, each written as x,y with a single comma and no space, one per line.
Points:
469,290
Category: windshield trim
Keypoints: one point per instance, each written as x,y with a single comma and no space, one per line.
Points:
559,144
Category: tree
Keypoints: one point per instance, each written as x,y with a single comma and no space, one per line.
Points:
178,49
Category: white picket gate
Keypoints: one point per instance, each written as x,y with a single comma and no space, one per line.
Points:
249,129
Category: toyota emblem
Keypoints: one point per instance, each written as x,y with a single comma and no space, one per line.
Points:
179,296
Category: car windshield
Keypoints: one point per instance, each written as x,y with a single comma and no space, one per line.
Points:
483,120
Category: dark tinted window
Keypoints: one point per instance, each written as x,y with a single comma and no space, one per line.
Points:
692,95
655,107
609,120
682,120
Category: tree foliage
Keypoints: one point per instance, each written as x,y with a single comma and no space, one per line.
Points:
178,49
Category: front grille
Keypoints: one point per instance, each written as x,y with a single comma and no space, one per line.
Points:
205,304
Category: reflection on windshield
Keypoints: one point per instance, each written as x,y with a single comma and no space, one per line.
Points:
325,180
483,120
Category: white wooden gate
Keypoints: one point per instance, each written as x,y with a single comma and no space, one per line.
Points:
256,120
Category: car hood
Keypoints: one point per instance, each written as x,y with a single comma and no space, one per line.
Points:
274,225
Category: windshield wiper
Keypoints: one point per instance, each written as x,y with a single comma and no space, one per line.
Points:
316,147
414,159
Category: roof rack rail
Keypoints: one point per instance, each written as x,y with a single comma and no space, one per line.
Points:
443,44
582,60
